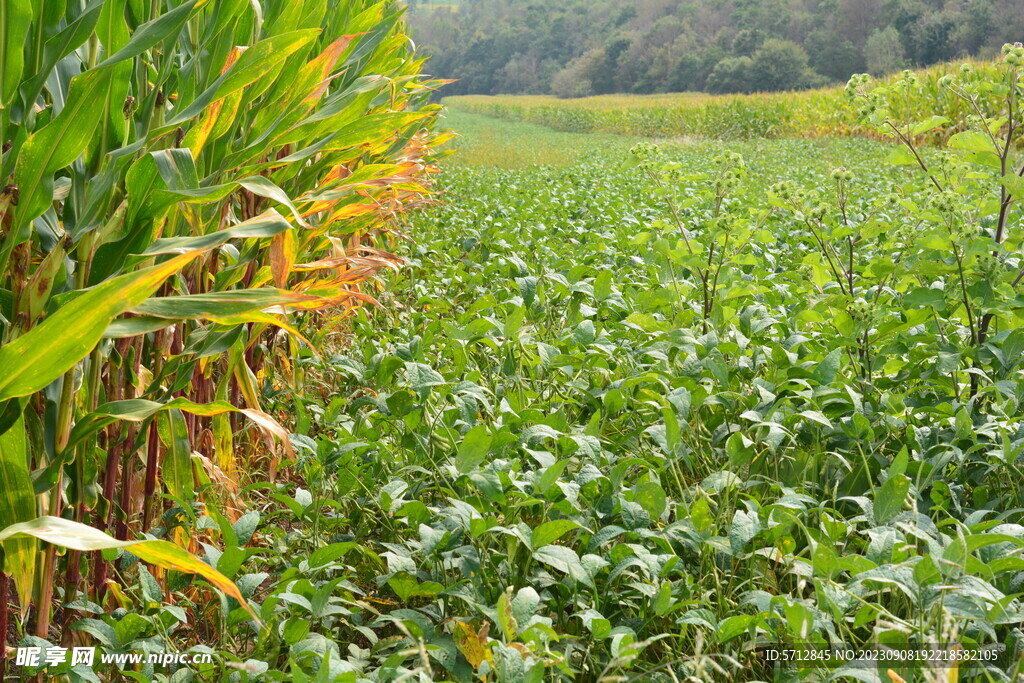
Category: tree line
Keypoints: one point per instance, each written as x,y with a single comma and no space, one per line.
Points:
576,48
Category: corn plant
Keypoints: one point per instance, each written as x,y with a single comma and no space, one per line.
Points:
181,180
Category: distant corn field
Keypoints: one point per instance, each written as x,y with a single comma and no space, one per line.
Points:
809,113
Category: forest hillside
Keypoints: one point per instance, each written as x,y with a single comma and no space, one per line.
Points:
576,48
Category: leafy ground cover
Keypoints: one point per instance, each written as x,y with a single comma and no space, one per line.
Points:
558,471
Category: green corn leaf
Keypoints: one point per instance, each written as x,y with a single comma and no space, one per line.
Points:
263,187
15,18
55,146
255,63
17,504
113,34
113,257
152,32
214,305
47,351
60,46
177,464
133,327
177,168
267,224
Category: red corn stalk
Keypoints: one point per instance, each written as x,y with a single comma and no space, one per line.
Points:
152,458
5,608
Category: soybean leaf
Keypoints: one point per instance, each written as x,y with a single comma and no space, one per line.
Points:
890,498
551,531
473,449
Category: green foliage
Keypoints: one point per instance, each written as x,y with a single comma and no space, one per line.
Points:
884,52
551,457
780,65
576,48
634,416
174,175
732,74
810,113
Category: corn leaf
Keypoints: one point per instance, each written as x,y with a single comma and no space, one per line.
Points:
177,465
56,145
254,64
15,18
76,536
137,410
17,504
152,32
47,351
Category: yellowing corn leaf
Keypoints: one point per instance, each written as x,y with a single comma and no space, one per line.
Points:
76,536
282,256
138,410
198,135
270,426
321,67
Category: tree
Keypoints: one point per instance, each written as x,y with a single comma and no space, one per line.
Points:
975,26
519,46
578,78
832,55
732,74
685,74
883,51
747,41
930,38
856,18
780,65
521,75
